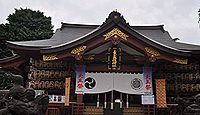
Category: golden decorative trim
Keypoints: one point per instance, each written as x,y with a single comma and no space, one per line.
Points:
152,51
78,50
49,57
116,31
91,57
181,61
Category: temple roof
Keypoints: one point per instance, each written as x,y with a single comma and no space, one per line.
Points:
82,40
70,35
72,32
65,34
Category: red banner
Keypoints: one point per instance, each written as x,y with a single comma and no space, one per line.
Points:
147,74
80,77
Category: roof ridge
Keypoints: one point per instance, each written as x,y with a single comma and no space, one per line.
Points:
78,25
148,26
143,27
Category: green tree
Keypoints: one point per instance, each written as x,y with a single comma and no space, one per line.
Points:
4,50
26,24
22,25
5,81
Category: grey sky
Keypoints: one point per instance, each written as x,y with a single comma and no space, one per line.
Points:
180,17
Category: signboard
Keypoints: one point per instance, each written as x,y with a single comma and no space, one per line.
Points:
114,58
67,91
148,100
80,77
56,99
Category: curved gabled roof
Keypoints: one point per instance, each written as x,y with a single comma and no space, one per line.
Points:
70,35
62,35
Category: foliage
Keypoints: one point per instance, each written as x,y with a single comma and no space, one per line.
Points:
26,24
5,81
22,25
4,50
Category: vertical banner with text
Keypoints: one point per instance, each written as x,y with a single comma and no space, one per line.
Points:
67,91
80,77
147,74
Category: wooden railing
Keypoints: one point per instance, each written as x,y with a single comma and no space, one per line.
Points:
77,108
53,111
81,109
143,110
133,111
60,109
148,109
93,110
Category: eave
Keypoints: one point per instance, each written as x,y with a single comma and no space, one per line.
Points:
14,46
13,62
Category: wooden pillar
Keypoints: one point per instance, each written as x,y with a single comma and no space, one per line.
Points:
105,103
120,100
79,98
97,100
111,104
79,107
127,104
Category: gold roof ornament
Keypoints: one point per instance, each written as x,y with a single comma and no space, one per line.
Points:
181,61
115,32
152,51
78,50
49,57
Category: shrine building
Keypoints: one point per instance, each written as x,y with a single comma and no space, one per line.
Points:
112,68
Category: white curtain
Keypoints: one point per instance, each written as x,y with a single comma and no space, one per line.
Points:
122,82
129,83
104,83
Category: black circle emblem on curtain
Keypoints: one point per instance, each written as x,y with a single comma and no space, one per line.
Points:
136,83
90,83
